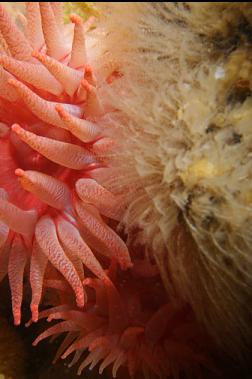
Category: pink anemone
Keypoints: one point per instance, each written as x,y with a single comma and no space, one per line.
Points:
52,142
129,326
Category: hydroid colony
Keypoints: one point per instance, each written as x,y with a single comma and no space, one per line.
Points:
186,96
121,148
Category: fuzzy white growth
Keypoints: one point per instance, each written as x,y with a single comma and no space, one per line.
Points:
187,127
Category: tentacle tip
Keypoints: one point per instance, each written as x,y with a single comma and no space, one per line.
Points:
104,276
80,303
86,281
84,83
34,311
126,265
80,297
19,172
65,355
28,323
17,318
75,19
16,128
90,22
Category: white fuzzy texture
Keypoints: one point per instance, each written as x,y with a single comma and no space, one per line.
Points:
184,109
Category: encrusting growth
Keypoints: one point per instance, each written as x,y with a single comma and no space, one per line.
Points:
185,96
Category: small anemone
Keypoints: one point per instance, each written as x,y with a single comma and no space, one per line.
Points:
128,326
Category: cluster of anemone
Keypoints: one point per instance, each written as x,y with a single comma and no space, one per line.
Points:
127,324
58,222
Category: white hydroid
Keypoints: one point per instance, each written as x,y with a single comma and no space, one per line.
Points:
184,100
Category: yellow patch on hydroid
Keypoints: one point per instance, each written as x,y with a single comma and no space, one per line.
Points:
201,169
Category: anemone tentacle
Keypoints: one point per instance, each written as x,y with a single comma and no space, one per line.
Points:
49,124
